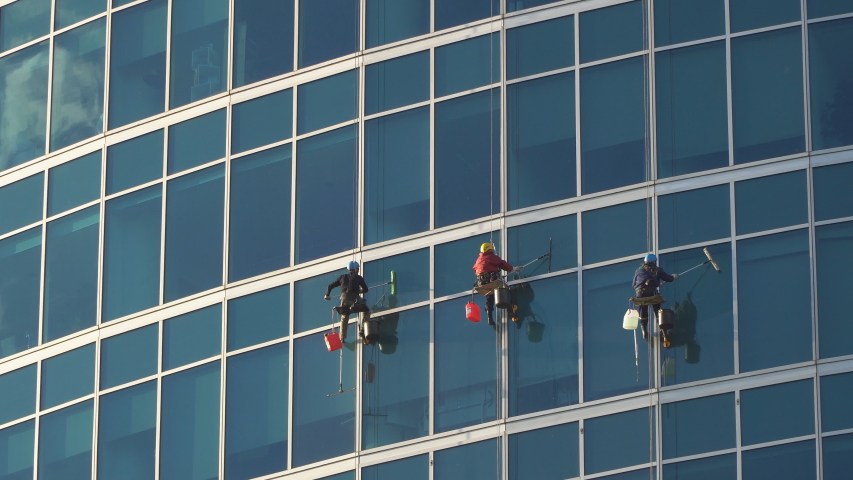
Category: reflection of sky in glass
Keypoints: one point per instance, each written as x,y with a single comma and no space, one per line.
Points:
23,105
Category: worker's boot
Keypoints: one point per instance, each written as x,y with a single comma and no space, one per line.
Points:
644,328
489,316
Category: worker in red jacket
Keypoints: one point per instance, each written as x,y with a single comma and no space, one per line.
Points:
488,269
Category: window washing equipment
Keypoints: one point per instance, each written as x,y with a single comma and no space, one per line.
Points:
540,257
710,260
334,340
503,299
371,331
631,319
472,311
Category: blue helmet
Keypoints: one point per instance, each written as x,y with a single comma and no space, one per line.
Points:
353,265
650,257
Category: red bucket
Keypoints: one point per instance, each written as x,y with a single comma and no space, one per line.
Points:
333,341
472,312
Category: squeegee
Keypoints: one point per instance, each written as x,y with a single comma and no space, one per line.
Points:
710,260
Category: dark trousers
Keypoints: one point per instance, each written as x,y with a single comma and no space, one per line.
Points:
351,304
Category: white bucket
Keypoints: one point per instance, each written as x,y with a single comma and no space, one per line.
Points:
631,319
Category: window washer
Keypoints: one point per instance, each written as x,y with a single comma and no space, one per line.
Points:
487,268
646,282
352,284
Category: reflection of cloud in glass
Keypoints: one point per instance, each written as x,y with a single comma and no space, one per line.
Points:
23,105
23,21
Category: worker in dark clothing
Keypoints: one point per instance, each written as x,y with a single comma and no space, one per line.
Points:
647,279
352,284
488,269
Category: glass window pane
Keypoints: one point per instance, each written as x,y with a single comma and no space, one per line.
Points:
698,426
192,337
463,396
825,8
259,317
541,138
833,247
127,421
412,468
513,5
129,356
831,192
132,253
475,461
467,64
325,164
453,264
692,109
69,12
467,145
397,175
627,428
723,467
391,20
450,13
17,444
74,183
771,202
557,237
23,21
263,39
67,377
194,221
396,83
20,258
28,197
395,388
600,238
777,412
835,393
256,413
793,461
134,162
19,394
137,63
23,104
259,217
545,454
77,110
199,51
327,29
197,141
309,312
189,424
612,125
751,14
261,121
65,443
543,349
411,274
678,21
837,457
327,102
767,95
612,31
694,216
540,47
765,267
829,77
323,426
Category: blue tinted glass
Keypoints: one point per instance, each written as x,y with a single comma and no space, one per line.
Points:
397,178
395,387
835,393
19,393
751,14
323,426
67,377
608,32
449,13
396,83
69,12
678,21
192,337
837,457
326,163
831,192
777,412
693,216
641,474
557,237
454,262
543,346
692,109
459,342
259,317
513,5
77,109
197,141
23,21
766,266
540,47
627,428
698,426
132,253
600,238
127,421
541,126
256,413
475,461
467,145
259,216
16,448
20,258
309,311
65,443
137,63
467,64
767,95
833,245
23,105
391,20
606,346
411,280
412,468
263,40
793,461
829,44
723,467
545,454
27,196
327,29
825,8
701,340
199,51
194,221
135,162
327,102
771,202
612,125
264,120
74,183
189,424
129,356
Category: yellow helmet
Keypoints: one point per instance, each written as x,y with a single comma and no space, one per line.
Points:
486,247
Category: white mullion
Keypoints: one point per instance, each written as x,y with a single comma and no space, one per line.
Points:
36,424
293,170
432,191
577,101
226,199
432,392
101,239
223,347
229,54
96,409
164,199
50,50
158,427
734,270
107,62
581,449
804,32
729,93
295,51
168,83
291,310
43,265
738,434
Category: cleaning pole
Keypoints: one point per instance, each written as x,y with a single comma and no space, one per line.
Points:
710,260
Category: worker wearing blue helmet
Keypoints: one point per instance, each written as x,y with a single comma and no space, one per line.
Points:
647,279
352,286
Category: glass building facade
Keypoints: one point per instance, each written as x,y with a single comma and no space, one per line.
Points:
181,179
